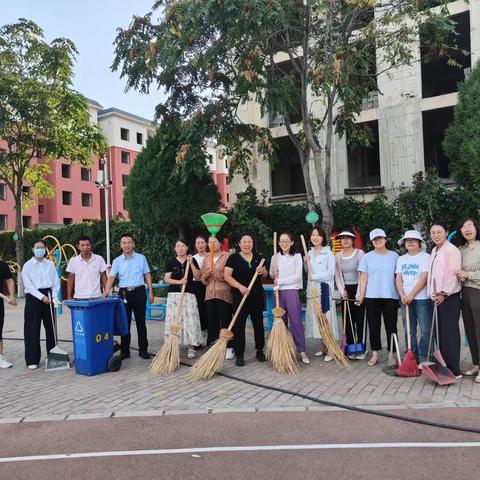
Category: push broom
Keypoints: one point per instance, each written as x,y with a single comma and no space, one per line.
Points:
280,349
409,367
211,362
324,327
167,359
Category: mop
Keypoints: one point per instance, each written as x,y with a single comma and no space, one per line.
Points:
57,359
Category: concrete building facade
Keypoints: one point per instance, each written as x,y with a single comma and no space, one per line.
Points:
408,120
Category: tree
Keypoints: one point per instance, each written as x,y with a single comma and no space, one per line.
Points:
163,193
462,138
210,57
41,117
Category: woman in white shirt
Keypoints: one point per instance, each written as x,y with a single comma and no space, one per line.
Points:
198,286
322,263
286,271
41,284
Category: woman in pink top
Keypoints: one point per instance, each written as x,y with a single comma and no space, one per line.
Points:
444,289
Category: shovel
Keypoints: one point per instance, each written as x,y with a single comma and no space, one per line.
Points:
57,358
437,371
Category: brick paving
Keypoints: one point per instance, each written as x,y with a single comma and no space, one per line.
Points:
36,395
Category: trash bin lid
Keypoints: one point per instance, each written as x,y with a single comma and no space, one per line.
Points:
89,303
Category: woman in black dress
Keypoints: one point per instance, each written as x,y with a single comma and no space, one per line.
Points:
239,271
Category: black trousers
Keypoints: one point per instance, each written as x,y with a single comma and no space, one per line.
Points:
219,314
449,331
358,316
471,320
254,308
2,317
376,308
136,303
202,309
35,313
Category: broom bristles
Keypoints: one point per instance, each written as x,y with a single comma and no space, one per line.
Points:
167,360
280,349
211,362
408,367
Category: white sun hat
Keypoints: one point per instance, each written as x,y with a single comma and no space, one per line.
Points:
414,235
345,233
377,232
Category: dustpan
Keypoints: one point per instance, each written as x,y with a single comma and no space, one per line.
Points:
57,358
437,371
356,348
392,366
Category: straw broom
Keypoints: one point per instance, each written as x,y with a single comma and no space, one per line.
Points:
280,349
212,361
167,359
323,324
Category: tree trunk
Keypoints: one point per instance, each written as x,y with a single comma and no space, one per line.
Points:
308,183
327,214
20,241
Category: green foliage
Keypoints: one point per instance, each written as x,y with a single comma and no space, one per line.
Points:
166,192
462,138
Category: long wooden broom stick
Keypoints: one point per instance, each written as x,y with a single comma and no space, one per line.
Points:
212,361
167,359
323,324
280,349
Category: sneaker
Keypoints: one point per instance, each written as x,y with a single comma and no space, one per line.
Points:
458,377
32,367
229,354
328,358
260,356
240,362
319,354
4,363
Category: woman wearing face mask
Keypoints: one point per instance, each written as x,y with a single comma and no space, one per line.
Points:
198,285
444,289
191,332
469,275
239,271
322,263
41,284
377,287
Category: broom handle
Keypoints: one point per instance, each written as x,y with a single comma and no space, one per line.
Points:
309,267
409,340
275,259
244,299
182,294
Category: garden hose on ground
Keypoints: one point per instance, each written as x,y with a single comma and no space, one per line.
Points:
328,403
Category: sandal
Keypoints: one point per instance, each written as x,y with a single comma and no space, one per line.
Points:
473,370
373,359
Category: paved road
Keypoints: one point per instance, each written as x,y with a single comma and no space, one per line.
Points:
315,445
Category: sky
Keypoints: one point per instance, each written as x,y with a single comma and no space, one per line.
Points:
91,24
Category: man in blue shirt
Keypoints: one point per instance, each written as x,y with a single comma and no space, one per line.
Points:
132,271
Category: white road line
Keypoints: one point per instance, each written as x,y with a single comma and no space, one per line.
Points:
249,448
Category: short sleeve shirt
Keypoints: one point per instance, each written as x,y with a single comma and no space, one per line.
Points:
130,271
5,274
411,266
243,272
177,269
381,274
87,275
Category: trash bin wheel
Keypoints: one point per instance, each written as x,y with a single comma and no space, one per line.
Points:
115,363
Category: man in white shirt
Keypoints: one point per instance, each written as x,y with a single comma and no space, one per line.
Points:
85,273
411,280
41,284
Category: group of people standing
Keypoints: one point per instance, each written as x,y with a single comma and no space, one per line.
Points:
371,286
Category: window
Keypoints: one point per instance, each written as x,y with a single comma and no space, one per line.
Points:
65,170
86,199
124,180
125,157
27,222
364,162
26,189
124,204
67,198
435,122
287,176
438,77
210,159
67,221
140,138
85,174
125,134
3,191
41,209
87,220
226,164
3,222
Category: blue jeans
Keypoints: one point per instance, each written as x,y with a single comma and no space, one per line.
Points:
420,314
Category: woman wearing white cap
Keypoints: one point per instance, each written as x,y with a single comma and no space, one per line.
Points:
377,288
347,262
411,280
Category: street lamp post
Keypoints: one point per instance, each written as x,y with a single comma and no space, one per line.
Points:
105,184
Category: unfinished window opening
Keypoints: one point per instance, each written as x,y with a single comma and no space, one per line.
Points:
287,176
438,77
364,161
435,122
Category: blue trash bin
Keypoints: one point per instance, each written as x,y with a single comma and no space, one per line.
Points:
94,323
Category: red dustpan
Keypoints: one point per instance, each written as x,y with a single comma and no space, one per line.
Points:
438,370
